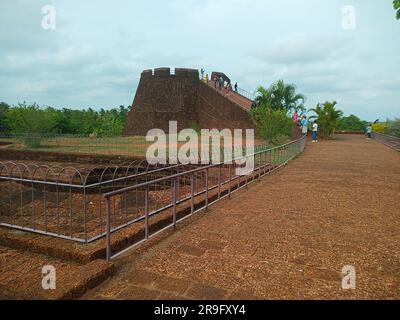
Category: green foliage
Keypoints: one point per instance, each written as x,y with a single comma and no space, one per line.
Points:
352,123
328,118
31,123
396,6
3,112
273,125
280,96
394,127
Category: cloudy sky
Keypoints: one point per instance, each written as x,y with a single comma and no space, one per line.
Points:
98,49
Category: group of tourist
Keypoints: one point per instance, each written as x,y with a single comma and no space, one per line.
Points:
303,123
219,82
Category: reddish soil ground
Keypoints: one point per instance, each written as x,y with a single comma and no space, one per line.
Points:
287,237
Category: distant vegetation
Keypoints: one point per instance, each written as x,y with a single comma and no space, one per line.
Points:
352,123
32,119
391,127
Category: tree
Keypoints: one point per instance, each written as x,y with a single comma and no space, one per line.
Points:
4,107
31,123
328,118
396,6
352,123
281,96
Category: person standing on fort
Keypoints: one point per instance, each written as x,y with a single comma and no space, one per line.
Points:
315,132
206,79
221,83
304,124
202,74
236,87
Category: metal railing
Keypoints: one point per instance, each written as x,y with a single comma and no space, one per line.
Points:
67,202
246,94
188,192
388,140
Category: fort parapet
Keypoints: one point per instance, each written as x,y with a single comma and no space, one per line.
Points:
165,95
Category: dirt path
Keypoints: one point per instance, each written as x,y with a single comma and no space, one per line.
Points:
286,237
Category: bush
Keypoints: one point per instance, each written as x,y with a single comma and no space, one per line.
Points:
274,126
379,127
394,127
352,123
31,123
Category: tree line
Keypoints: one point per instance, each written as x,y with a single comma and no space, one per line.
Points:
32,119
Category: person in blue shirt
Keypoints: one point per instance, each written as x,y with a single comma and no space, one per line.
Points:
304,125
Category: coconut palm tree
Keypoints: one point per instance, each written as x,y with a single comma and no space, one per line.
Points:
281,96
328,117
396,6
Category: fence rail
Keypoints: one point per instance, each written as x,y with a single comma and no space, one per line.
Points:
189,191
246,94
388,140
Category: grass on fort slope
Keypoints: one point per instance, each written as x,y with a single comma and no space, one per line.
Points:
122,146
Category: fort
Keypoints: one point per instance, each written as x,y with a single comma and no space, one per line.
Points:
165,95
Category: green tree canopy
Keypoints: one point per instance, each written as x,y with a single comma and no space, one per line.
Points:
3,117
352,123
280,96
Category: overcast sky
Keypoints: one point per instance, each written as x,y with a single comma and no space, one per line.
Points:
95,55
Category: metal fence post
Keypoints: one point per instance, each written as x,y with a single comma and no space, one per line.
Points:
174,201
192,193
219,181
146,212
207,189
229,184
108,229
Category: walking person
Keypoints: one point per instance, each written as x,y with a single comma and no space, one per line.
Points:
315,132
369,132
304,125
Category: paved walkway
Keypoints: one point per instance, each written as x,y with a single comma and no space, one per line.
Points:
287,237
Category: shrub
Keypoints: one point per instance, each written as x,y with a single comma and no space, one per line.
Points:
30,123
273,125
352,123
379,127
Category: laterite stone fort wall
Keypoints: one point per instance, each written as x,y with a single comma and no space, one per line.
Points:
163,96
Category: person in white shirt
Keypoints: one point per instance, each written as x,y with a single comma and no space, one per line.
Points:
315,132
